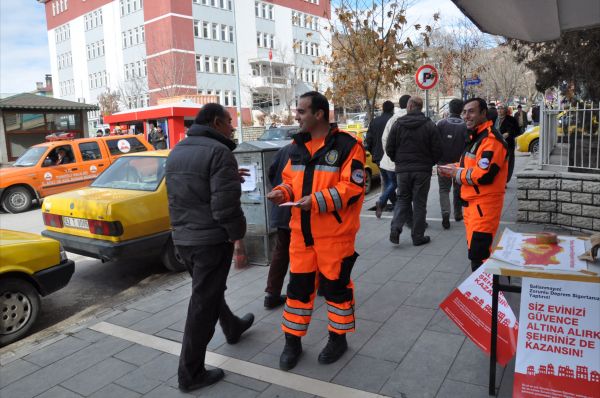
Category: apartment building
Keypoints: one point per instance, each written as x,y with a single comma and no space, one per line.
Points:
261,54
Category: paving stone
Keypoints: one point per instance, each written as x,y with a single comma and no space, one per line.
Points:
246,382
16,370
506,386
137,381
98,376
417,270
224,389
263,331
49,376
169,334
365,373
245,349
472,366
396,337
454,262
275,391
434,289
56,351
163,300
89,335
113,391
381,305
179,325
58,392
384,270
163,391
422,371
161,368
129,317
441,323
162,319
453,389
137,354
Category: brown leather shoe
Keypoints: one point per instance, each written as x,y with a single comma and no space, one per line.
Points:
378,210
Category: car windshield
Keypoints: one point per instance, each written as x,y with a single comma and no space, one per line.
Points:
137,173
30,157
278,134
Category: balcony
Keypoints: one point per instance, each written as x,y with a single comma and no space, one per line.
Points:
268,82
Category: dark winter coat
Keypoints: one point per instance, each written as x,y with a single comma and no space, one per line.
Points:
414,143
373,140
203,187
511,126
454,136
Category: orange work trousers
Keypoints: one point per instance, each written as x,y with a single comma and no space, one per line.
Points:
482,218
327,264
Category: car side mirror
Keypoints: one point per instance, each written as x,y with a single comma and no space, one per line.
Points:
47,163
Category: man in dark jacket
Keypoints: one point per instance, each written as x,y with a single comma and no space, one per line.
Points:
280,219
492,112
453,133
374,144
204,190
414,146
376,127
509,128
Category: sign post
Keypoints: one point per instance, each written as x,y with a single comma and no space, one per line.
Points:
426,78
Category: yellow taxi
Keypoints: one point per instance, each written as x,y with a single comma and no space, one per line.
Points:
122,214
30,266
371,168
529,141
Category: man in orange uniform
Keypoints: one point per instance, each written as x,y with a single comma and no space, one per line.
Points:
325,178
482,173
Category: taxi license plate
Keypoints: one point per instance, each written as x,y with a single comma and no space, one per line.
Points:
79,223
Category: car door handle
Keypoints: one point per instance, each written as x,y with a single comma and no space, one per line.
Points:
101,165
74,169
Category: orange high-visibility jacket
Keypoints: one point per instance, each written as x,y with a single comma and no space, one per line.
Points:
483,170
335,177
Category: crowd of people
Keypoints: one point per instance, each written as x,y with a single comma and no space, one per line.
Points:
316,202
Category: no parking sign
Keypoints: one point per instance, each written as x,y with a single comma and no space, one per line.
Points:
426,77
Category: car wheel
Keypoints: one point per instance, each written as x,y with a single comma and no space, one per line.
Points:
534,147
19,308
171,259
368,181
16,200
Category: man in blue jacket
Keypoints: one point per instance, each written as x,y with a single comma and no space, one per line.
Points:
204,190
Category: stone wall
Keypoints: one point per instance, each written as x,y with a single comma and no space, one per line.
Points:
568,199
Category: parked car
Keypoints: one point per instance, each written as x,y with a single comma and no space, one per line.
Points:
281,133
58,166
30,266
122,214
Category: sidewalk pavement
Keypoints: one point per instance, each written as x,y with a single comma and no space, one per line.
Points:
404,346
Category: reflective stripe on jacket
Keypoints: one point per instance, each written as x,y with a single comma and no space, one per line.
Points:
335,177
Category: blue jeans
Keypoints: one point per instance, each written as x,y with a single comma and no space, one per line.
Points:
389,187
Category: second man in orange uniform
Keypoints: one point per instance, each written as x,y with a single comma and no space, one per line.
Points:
325,179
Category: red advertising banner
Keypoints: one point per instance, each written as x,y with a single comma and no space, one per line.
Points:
558,352
469,306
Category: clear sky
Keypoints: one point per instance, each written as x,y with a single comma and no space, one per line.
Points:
24,57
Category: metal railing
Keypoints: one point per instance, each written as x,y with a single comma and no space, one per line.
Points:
570,138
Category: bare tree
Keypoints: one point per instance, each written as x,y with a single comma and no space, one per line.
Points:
371,42
457,48
108,102
135,87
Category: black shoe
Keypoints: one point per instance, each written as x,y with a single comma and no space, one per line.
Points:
446,221
210,377
409,224
244,324
395,236
335,348
378,210
274,301
422,241
458,218
291,352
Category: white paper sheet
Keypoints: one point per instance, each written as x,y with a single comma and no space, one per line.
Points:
249,183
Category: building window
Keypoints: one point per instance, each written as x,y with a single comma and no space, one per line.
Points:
224,32
206,64
231,33
215,30
233,98
205,33
215,65
196,28
226,98
198,63
224,65
232,66
271,13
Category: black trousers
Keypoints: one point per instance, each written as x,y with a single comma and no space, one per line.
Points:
511,161
413,189
280,259
209,267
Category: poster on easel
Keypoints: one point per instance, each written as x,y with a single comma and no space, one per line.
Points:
469,306
558,349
